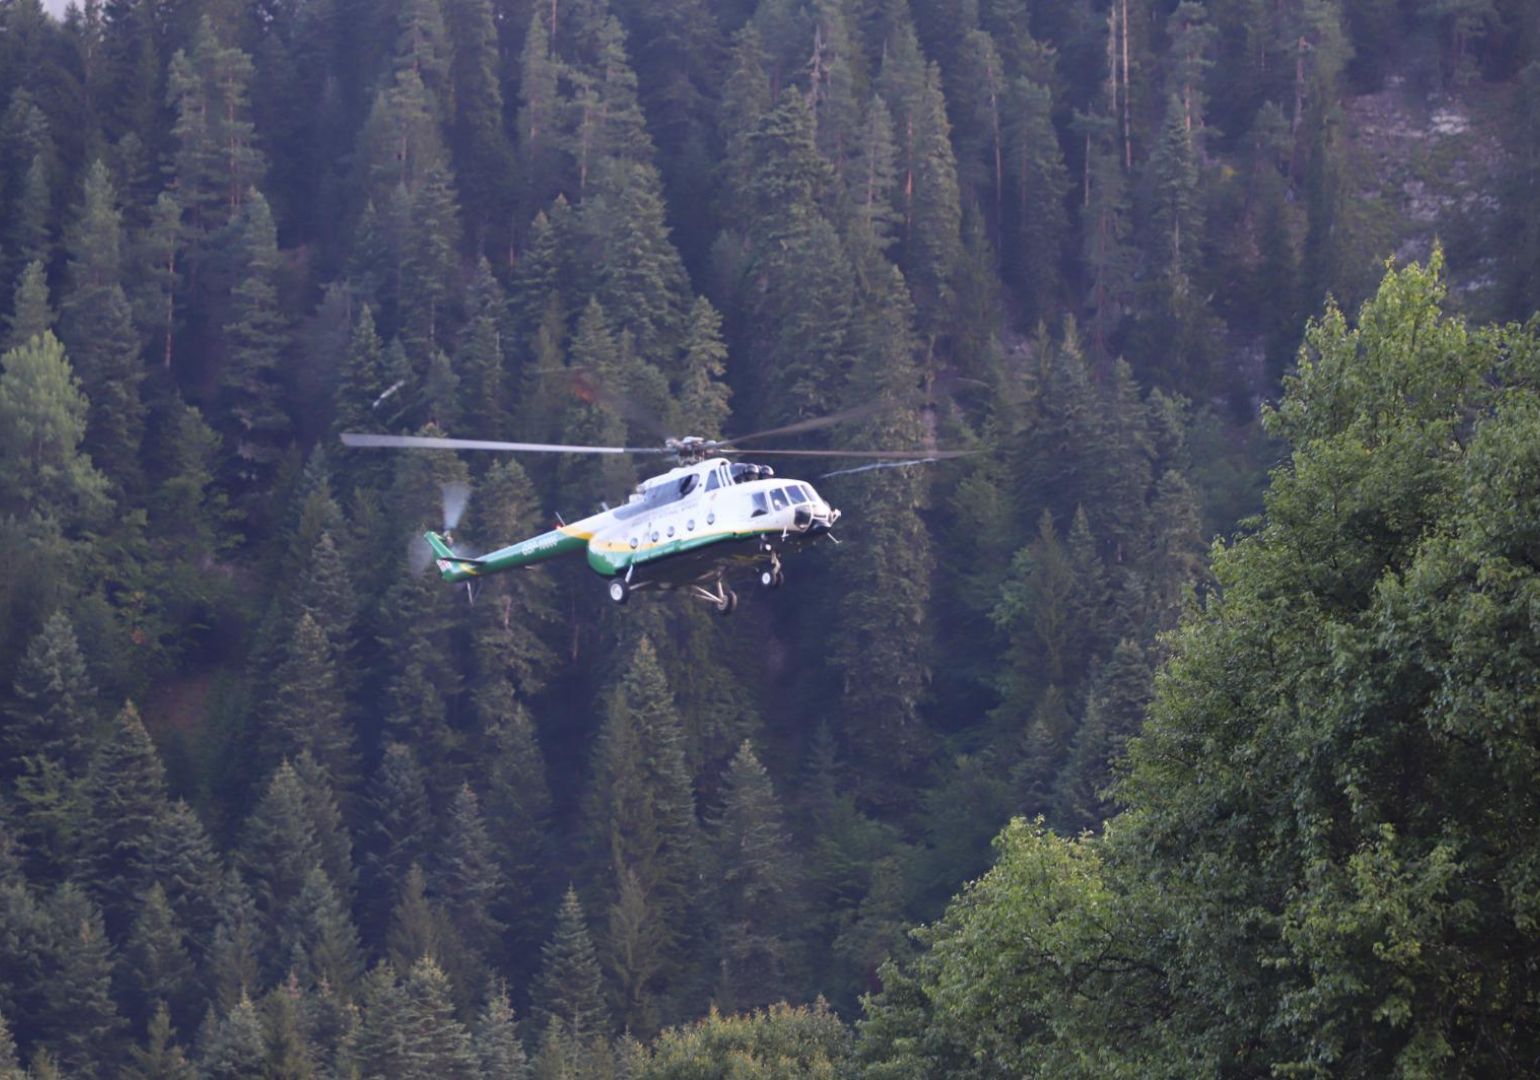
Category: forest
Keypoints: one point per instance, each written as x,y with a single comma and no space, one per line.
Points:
1187,727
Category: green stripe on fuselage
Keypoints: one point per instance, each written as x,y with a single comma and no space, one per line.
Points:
548,545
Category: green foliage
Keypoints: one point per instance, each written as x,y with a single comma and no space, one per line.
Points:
42,426
568,994
779,1043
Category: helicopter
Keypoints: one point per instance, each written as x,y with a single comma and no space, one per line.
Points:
686,528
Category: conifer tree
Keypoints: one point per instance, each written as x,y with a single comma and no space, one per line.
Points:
701,372
872,175
278,850
160,1058
569,991
438,1044
397,833
155,960
53,715
641,279
882,655
42,425
79,1021
1114,714
30,312
232,965
289,1052
469,877
933,247
495,1040
1108,261
216,162
429,264
125,793
251,387
97,328
324,951
233,1047
759,890
643,830
180,858
10,1065
479,357
1042,183
482,153
519,800
308,709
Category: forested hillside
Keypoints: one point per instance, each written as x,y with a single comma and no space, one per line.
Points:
274,804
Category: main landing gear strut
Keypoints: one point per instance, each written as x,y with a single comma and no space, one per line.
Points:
720,597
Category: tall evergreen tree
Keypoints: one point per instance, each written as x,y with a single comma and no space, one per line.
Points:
569,991
98,329
30,312
251,385
759,899
125,795
79,1023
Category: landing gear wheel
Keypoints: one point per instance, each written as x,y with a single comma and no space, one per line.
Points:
619,591
728,603
769,578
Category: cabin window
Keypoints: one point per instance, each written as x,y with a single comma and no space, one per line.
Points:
713,481
633,542
778,499
761,504
690,524
796,493
671,530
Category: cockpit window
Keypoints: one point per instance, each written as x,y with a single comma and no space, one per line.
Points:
778,498
796,493
713,481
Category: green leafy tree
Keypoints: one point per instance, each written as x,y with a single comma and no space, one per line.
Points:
781,1042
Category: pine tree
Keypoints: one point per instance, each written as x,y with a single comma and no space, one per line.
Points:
160,1058
482,153
30,313
495,1039
479,357
216,162
251,387
156,961
519,800
233,969
308,709
125,792
933,247
883,652
289,1051
324,951
641,278
397,833
10,1065
97,328
759,898
1115,713
382,1044
180,859
278,850
234,1047
79,1021
429,264
643,831
42,425
54,711
470,878
1042,183
569,990
701,376
438,1044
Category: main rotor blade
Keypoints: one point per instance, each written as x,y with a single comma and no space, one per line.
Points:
855,412
877,465
424,442
880,455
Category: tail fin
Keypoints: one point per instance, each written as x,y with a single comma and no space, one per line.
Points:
451,567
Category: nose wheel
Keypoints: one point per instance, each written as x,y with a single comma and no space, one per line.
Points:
770,576
620,592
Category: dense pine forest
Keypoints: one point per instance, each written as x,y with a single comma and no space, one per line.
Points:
1030,775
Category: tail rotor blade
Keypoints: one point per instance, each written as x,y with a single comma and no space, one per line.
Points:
456,495
419,556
